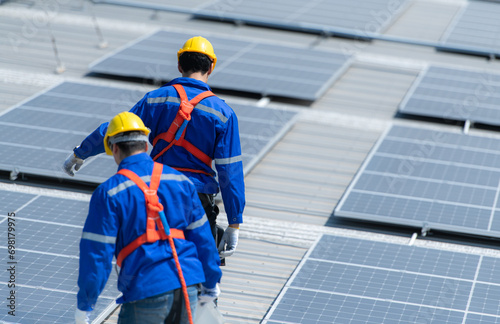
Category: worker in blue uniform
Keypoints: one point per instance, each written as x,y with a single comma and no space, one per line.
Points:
189,137
158,232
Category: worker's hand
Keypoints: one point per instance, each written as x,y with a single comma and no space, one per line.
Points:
82,317
72,163
209,294
229,241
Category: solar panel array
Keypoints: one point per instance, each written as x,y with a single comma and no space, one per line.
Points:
359,18
38,135
44,266
429,178
348,280
270,70
475,30
455,94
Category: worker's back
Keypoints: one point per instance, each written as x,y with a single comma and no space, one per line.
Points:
213,129
126,209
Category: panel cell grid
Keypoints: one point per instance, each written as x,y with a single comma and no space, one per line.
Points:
454,94
349,280
12,201
46,208
42,306
46,237
431,179
270,70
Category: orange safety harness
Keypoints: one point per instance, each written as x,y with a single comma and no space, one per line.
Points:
177,130
155,219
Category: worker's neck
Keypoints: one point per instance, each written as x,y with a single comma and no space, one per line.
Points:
119,157
197,76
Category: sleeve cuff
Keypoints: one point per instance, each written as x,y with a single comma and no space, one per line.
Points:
238,219
77,153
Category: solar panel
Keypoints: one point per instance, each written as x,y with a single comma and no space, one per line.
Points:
38,134
474,30
45,263
455,94
428,178
184,7
347,18
356,19
249,66
349,280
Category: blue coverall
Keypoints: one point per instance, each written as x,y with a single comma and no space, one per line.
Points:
213,129
117,216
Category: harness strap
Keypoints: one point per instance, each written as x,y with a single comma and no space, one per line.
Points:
153,206
175,233
154,214
177,130
191,170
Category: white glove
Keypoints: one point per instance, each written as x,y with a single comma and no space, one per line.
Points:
209,294
72,160
82,317
229,241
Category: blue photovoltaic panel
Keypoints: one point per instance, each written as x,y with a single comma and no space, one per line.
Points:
38,135
42,209
47,234
12,201
455,94
348,280
347,18
475,30
249,66
429,178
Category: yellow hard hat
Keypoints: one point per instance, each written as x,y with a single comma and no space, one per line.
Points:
121,123
200,45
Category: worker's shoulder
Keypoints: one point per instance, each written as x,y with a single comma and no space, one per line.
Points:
218,108
212,105
111,186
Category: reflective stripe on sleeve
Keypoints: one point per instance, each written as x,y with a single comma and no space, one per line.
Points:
99,238
200,222
230,160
